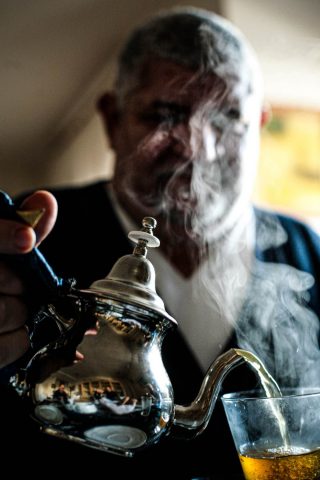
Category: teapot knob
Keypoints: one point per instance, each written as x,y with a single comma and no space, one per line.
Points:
144,237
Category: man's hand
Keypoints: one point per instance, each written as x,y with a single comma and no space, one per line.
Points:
17,238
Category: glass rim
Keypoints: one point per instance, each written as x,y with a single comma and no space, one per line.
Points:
259,394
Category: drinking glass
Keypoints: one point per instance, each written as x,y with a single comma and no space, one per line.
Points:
277,438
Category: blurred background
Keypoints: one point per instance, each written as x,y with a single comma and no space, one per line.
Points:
57,57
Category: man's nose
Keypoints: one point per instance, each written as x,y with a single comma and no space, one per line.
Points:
194,139
182,138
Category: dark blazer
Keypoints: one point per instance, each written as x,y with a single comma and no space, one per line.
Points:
85,243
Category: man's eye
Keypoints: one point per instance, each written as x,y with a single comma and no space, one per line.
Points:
233,114
159,117
229,120
239,123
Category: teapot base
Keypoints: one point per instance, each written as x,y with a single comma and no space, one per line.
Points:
115,439
120,436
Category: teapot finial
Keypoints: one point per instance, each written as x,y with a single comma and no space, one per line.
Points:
131,280
144,237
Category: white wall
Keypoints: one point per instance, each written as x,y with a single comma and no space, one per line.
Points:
286,37
285,34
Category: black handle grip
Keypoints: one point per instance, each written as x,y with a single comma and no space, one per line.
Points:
40,280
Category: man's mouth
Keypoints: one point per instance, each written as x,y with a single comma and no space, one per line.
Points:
177,191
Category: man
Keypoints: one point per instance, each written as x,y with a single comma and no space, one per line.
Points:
184,122
60,394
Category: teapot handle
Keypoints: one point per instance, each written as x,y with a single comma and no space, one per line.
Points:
40,280
42,285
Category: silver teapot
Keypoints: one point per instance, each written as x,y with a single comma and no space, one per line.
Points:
100,380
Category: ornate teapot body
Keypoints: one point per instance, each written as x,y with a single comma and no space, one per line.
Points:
99,379
118,397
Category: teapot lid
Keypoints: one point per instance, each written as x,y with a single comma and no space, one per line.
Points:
132,278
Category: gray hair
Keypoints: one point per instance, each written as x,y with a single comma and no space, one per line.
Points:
192,37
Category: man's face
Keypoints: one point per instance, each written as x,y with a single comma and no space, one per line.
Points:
186,145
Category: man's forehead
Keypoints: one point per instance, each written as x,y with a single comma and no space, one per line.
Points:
171,74
167,80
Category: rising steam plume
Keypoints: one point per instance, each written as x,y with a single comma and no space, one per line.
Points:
203,173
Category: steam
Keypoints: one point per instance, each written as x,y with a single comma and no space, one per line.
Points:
276,322
208,192
267,304
198,175
277,325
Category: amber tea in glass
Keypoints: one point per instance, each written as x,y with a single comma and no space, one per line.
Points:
277,438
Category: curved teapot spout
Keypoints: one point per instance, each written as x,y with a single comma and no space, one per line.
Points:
190,420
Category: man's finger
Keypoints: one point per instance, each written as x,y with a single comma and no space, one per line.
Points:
13,313
13,345
42,199
10,284
16,237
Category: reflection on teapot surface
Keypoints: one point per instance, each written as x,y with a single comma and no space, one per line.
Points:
117,395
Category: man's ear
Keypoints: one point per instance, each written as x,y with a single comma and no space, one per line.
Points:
266,115
108,108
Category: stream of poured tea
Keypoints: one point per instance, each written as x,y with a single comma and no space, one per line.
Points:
287,462
271,389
